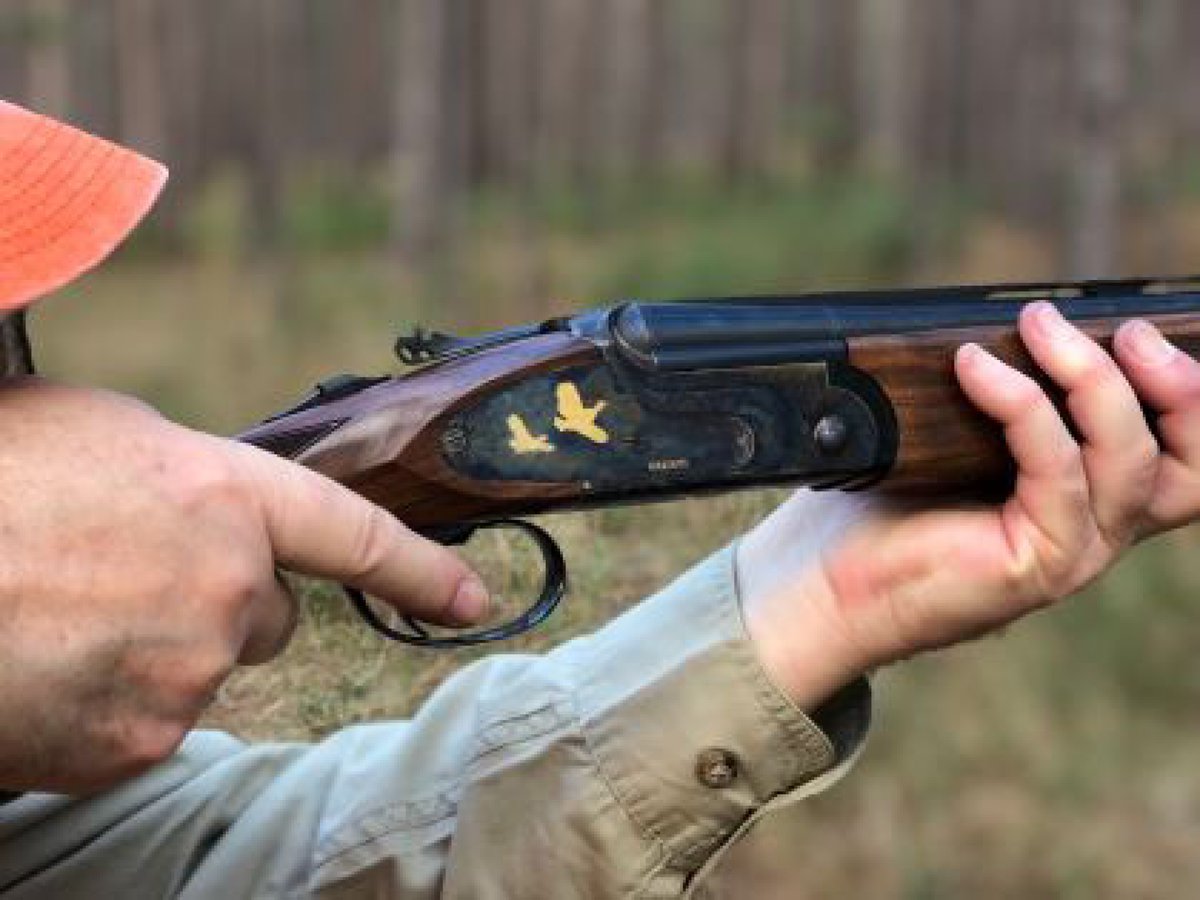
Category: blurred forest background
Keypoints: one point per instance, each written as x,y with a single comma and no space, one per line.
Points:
343,170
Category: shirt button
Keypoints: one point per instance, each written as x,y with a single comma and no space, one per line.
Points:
716,767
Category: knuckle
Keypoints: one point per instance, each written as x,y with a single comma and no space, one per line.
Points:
152,741
134,743
194,683
182,680
1141,472
1039,568
372,541
1028,577
173,690
232,584
1095,366
1028,394
205,480
1120,519
1188,394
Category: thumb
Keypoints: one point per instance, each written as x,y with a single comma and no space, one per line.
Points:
318,527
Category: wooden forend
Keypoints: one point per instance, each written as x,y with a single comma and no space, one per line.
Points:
945,444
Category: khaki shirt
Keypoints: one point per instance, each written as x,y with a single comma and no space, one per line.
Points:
622,764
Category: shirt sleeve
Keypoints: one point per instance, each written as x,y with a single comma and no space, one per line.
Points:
622,764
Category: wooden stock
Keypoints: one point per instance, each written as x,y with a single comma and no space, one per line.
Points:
390,447
397,460
945,444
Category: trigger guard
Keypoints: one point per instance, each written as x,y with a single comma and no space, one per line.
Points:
554,586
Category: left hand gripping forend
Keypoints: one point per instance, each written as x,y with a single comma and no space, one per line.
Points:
653,401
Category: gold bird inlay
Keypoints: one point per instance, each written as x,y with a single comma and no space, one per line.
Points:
523,441
574,415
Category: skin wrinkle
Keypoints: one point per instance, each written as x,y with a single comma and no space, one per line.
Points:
1115,531
1137,460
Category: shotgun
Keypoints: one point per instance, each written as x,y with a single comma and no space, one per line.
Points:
645,401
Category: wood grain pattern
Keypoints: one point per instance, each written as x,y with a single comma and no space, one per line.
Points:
946,446
391,452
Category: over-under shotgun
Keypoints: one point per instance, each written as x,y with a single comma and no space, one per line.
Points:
648,400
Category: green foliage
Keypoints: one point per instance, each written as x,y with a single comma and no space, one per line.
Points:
679,236
1134,636
215,224
697,238
325,211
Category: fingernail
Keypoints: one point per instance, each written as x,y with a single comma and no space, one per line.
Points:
1148,344
470,603
1050,322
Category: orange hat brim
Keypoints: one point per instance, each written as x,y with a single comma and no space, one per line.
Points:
67,199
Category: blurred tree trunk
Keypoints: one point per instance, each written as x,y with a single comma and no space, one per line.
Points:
823,79
362,55
418,218
1048,160
477,160
182,59
755,37
1019,102
14,61
942,71
993,34
653,89
886,86
1102,68
1187,110
1161,145
506,118
140,76
49,70
937,106
560,30
428,151
587,122
265,113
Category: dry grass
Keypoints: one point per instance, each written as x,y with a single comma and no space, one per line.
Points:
1056,762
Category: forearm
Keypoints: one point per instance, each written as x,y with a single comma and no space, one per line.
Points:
595,769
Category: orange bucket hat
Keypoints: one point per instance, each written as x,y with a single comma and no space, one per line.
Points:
67,199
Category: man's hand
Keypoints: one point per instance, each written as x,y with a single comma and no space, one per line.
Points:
834,586
139,567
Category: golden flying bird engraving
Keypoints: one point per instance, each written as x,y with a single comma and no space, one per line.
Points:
522,441
574,416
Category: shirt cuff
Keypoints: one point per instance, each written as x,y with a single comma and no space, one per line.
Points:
687,729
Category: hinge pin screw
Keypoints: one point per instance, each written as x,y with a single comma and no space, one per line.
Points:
831,434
